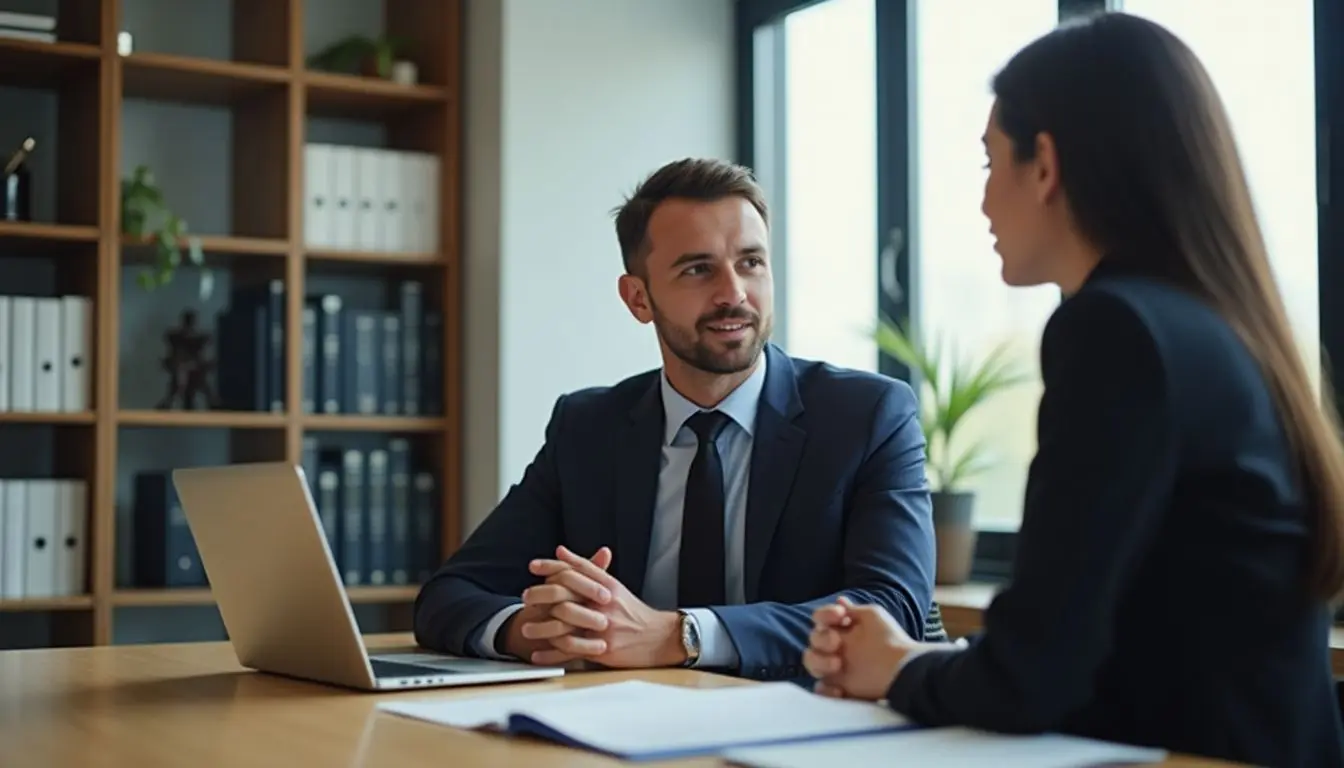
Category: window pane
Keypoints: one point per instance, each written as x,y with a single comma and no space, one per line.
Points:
1261,57
830,224
961,296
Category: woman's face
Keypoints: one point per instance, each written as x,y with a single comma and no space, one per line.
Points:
1020,203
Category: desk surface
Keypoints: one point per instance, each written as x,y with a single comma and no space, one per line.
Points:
191,704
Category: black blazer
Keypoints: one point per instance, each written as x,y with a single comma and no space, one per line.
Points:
1157,595
838,504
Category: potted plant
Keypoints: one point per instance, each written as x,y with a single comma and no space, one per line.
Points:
950,388
147,219
369,56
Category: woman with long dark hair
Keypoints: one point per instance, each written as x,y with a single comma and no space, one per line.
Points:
1182,538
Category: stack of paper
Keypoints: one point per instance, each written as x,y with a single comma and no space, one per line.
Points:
648,721
947,748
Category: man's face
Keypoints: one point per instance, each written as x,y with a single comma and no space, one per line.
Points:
707,284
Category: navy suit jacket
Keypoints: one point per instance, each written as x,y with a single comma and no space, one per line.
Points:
1158,595
838,504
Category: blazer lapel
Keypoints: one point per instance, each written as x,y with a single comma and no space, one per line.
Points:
637,461
777,449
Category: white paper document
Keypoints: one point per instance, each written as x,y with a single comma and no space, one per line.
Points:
492,710
646,721
946,748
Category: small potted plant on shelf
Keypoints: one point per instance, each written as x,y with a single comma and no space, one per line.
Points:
951,389
366,56
146,217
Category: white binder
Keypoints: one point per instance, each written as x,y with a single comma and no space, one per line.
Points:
14,538
4,353
40,568
49,362
343,191
369,198
22,352
76,353
395,201
71,537
422,188
317,202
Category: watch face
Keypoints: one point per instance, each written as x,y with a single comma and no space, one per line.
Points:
690,636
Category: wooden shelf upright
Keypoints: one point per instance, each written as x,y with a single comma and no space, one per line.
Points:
271,99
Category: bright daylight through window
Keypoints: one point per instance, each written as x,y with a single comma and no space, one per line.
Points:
830,153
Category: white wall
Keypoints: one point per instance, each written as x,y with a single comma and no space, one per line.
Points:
568,105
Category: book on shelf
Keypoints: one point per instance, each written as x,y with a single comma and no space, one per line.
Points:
379,510
372,362
366,199
165,554
43,538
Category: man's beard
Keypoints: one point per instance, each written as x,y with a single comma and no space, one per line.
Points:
692,348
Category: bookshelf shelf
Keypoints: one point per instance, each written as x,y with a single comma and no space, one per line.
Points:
366,98
224,244
31,63
351,423
208,419
31,232
377,257
76,603
46,417
193,596
167,77
220,109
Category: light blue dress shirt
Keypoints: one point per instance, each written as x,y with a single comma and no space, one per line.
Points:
679,445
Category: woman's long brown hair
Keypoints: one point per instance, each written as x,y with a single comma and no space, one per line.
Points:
1154,179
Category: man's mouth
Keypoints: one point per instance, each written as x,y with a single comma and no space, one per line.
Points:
728,327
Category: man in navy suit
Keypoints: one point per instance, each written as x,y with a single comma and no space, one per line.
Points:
698,514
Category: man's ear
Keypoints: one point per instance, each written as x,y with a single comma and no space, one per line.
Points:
636,297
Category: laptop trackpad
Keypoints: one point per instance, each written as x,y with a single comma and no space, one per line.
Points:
448,663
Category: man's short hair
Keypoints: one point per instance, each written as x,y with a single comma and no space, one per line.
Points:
703,180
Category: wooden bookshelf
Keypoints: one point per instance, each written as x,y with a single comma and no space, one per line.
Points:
270,97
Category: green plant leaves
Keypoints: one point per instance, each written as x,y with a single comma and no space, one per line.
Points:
955,387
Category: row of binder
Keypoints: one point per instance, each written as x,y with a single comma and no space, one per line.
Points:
43,538
45,353
363,199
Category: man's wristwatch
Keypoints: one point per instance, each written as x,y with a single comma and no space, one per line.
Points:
690,638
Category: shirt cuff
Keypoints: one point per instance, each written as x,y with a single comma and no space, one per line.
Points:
485,643
717,650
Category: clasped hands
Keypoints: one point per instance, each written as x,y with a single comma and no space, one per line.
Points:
583,612
855,651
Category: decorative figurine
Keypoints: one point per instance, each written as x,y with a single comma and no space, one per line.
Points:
187,365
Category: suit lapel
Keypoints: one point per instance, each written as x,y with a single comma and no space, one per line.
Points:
777,449
638,457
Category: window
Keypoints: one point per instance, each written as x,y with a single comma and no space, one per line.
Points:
1261,57
816,101
962,299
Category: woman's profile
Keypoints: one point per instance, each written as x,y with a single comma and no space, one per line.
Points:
1182,540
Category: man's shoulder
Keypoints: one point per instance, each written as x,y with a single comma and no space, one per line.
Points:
610,399
826,386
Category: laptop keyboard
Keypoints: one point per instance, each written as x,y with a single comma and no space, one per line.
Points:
385,669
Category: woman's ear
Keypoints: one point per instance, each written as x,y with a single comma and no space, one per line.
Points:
1045,168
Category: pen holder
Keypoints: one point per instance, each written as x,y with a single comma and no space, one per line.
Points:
16,196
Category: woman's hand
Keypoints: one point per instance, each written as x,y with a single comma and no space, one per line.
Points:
855,650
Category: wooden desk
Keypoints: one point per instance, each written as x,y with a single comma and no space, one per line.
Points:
191,704
963,605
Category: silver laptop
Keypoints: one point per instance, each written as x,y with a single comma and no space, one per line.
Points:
284,606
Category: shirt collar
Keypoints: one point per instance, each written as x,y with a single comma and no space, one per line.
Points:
739,405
